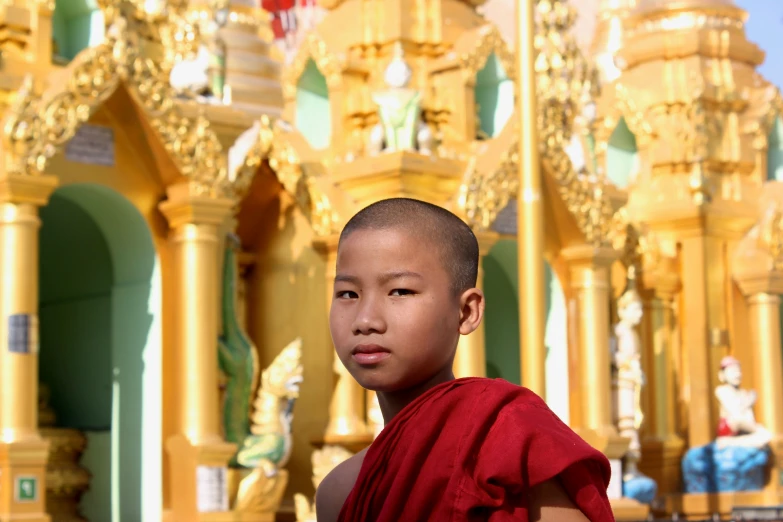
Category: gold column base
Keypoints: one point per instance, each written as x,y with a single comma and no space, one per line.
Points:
185,459
661,461
629,510
23,461
607,442
702,506
352,443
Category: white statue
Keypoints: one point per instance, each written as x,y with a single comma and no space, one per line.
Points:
629,378
399,108
737,425
204,74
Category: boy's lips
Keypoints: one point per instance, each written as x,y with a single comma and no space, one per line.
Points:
368,354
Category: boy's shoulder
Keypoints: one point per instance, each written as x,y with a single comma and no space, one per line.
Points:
336,486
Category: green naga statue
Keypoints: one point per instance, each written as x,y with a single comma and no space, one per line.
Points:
261,431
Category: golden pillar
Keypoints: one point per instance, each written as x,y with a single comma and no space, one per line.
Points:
23,453
471,357
662,447
530,211
763,299
590,282
198,454
347,426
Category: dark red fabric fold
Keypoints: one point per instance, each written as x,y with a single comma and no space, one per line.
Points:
470,450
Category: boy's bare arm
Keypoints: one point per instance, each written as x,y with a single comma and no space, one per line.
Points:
550,503
335,488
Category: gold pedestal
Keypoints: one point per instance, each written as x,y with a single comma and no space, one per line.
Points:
199,471
662,463
703,506
410,174
66,481
22,481
629,510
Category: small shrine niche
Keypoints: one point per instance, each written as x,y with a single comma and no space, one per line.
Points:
775,152
313,111
622,157
76,25
494,97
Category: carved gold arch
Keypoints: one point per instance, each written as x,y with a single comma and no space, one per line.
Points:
315,48
35,126
489,41
272,145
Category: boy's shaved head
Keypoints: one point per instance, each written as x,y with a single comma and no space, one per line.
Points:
437,226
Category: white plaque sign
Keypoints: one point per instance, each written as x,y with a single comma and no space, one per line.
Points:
615,489
92,144
211,489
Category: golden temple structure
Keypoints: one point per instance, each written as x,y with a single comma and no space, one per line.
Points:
173,189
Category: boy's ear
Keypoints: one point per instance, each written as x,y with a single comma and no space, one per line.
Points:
471,310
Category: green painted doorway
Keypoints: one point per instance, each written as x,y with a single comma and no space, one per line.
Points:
100,355
501,288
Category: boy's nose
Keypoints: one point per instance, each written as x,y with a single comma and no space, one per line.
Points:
368,320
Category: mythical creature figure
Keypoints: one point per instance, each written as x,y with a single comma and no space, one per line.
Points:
737,424
399,108
263,437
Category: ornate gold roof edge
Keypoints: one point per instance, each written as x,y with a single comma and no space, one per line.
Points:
329,64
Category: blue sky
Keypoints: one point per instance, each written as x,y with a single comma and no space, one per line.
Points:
765,28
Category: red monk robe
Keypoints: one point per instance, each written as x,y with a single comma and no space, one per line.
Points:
470,450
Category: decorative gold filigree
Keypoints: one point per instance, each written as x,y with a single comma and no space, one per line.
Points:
312,48
36,126
484,195
770,234
489,41
566,86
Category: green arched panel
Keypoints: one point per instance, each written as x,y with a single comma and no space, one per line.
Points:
621,155
501,287
99,319
76,25
494,94
775,152
313,113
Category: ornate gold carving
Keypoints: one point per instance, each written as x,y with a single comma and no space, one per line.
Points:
566,86
313,47
272,144
140,50
483,196
489,41
770,234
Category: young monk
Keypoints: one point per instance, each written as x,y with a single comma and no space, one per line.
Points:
468,449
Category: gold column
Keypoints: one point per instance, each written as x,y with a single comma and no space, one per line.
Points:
530,211
662,447
198,454
764,320
471,357
590,281
23,453
347,426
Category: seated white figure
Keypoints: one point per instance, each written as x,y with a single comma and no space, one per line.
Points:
737,425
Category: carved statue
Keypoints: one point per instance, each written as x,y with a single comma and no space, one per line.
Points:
737,460
737,425
626,358
629,379
264,438
399,108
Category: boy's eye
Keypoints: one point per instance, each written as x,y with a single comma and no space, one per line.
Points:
401,292
346,294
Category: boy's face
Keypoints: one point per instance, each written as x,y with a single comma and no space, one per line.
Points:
395,320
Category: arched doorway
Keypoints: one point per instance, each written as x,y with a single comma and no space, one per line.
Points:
494,96
313,112
501,288
100,355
